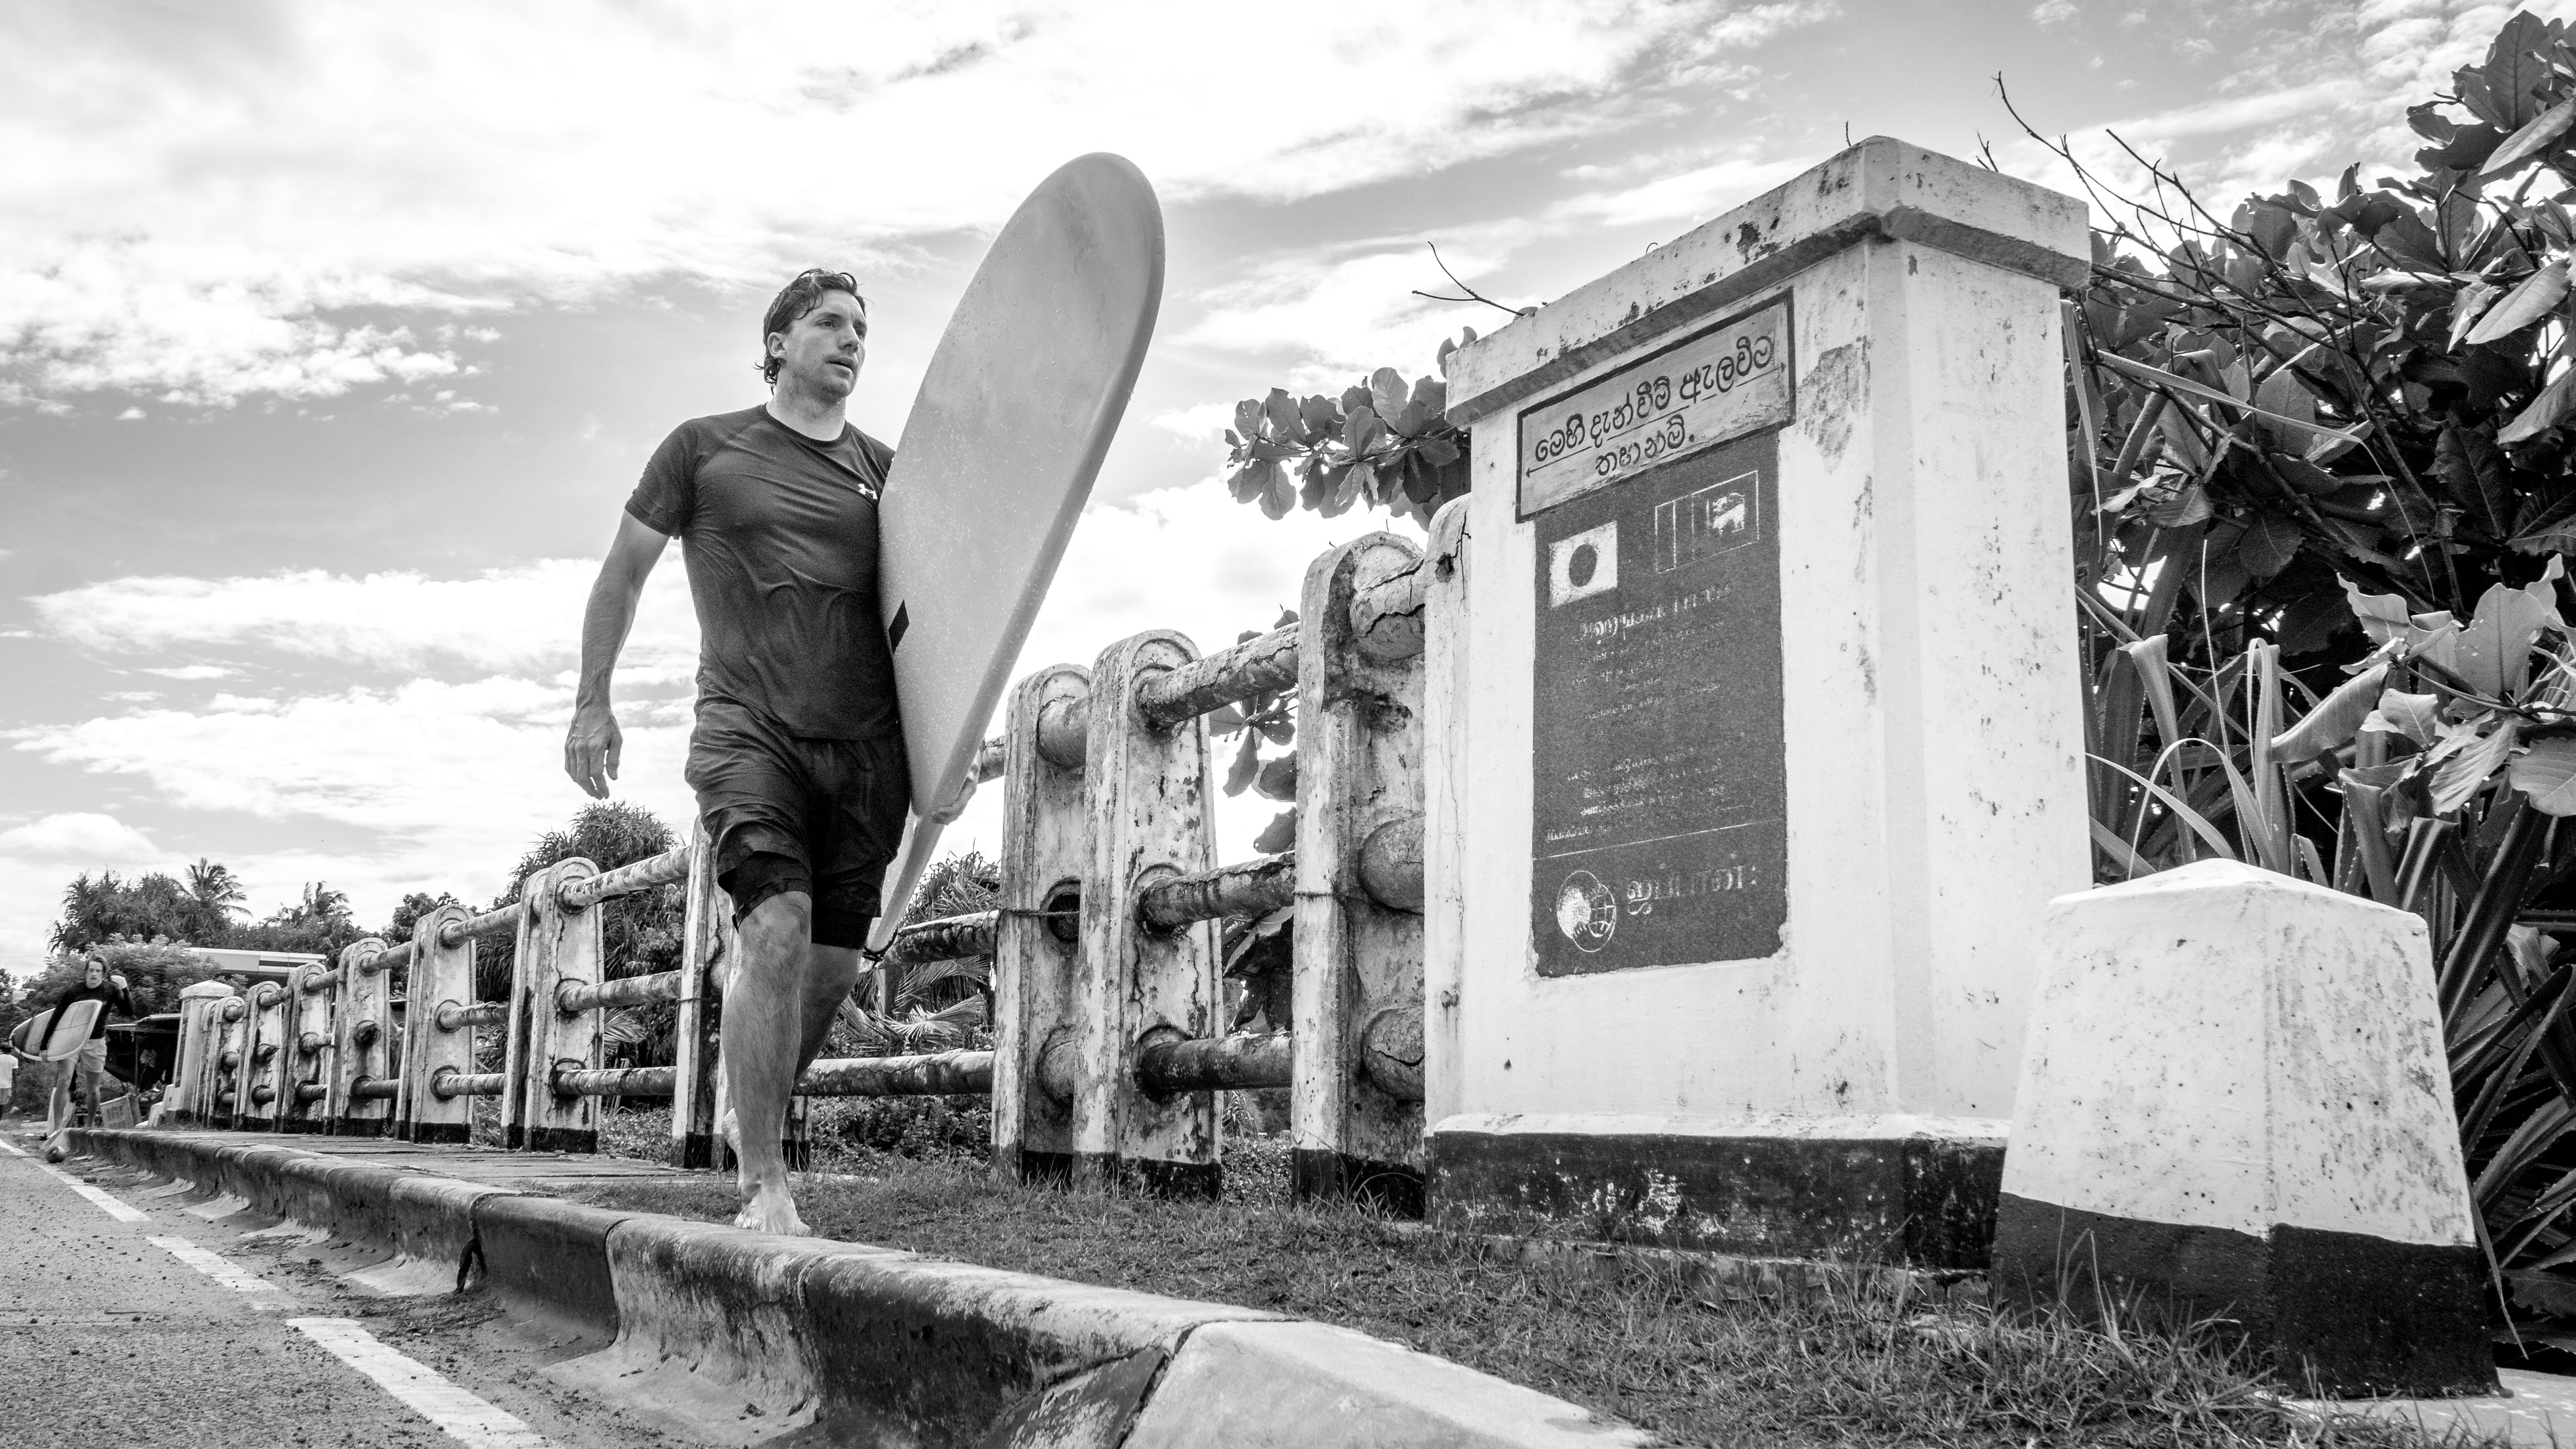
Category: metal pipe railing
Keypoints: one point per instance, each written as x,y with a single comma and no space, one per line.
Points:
616,1082
668,868
452,1017
451,1083
938,1074
1266,665
951,938
1248,888
1217,1064
374,1089
574,996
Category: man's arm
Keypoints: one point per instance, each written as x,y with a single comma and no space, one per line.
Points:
592,745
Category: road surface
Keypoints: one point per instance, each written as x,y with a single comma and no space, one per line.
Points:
127,1321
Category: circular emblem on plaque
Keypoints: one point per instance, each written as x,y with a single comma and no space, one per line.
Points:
1586,911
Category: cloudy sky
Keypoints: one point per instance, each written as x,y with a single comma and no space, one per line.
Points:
333,336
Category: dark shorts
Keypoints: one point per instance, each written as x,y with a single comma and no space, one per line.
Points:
788,814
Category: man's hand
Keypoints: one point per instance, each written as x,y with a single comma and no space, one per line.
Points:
956,807
591,748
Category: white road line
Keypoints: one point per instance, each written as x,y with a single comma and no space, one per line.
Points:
121,1211
466,1418
11,1150
212,1266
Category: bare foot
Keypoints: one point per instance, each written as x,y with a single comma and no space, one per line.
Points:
772,1210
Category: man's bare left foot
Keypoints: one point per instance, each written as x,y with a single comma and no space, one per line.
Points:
772,1210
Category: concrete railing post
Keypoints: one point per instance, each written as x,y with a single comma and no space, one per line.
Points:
2235,1101
311,995
559,948
271,1046
229,1073
442,977
362,1046
1043,858
1444,749
1358,959
192,1082
1150,800
706,942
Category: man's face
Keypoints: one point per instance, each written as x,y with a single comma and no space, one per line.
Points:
95,975
821,352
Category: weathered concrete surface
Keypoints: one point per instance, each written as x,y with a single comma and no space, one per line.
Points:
738,1338
710,1324
1914,1190
547,1260
2236,1099
1311,1385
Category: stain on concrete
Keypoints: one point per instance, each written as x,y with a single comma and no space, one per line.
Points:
1830,395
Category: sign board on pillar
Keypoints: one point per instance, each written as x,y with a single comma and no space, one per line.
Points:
1773,747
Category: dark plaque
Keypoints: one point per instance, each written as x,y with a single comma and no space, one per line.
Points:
1661,800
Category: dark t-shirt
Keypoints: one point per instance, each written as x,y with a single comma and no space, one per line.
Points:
110,998
780,534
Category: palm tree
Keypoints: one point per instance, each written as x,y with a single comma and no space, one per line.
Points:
216,890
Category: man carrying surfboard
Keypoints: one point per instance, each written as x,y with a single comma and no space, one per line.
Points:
798,757
88,1060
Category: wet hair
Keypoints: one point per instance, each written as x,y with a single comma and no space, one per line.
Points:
795,300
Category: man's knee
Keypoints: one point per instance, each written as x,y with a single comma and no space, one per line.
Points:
776,930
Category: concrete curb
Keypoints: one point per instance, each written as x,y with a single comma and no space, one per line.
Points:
740,1338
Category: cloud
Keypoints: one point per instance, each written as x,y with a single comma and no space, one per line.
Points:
521,618
178,224
78,836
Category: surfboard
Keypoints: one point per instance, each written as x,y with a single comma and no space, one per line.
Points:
997,458
79,1019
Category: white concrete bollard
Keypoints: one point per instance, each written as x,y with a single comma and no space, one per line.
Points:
190,1101
2235,1102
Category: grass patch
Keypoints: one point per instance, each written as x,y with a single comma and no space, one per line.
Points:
1848,1365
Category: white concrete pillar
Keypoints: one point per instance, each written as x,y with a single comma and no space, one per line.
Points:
2235,1101
440,979
1150,796
707,938
1773,752
192,1081
363,1049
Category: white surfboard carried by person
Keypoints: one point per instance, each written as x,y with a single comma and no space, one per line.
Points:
857,616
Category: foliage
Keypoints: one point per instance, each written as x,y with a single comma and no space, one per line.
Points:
1383,443
2320,468
938,1005
641,933
155,972
199,911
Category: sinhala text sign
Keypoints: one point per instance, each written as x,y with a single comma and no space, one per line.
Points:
1659,831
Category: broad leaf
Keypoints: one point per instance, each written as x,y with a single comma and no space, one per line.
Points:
2270,542
2471,303
2546,774
2416,716
2533,138
2539,294
2383,616
2460,777
2493,656
2330,726
2546,411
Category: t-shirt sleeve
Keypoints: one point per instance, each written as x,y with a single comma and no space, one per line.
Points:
668,492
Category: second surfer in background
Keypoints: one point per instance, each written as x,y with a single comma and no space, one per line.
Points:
797,758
